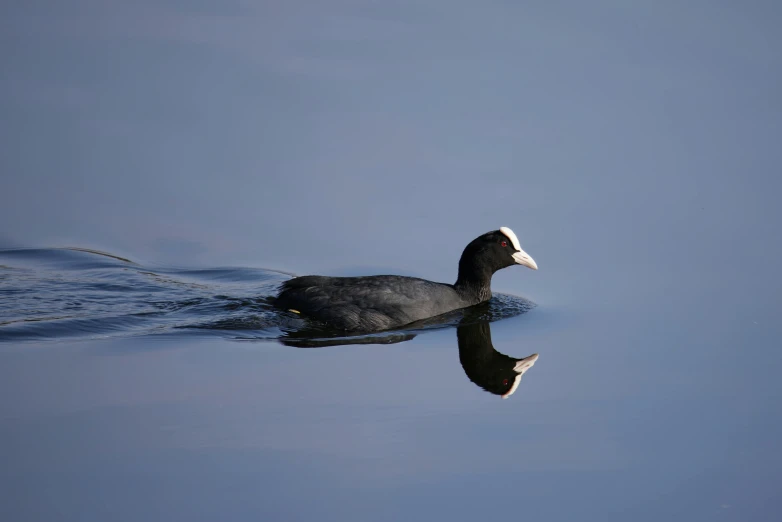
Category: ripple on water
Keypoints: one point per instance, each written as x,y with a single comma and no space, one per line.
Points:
49,294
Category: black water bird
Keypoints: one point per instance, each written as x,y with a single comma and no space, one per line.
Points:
383,302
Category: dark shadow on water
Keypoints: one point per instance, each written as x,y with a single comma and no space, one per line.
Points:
491,370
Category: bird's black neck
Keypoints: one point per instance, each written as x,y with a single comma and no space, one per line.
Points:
474,282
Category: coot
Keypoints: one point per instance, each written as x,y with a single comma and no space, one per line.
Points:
375,303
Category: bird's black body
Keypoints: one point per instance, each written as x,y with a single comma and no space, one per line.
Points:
375,303
370,303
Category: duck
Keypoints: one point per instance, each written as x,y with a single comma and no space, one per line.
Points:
383,302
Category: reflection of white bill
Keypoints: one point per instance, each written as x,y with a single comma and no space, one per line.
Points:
522,366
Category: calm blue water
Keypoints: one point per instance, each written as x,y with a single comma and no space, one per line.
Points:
166,164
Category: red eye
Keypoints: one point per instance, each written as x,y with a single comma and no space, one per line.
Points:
503,244
505,382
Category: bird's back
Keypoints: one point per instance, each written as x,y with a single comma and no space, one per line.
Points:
368,303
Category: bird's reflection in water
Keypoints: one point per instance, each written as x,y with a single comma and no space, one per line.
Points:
493,371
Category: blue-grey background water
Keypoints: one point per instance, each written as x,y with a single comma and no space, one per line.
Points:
218,146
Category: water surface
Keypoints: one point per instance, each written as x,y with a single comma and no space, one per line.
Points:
214,148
